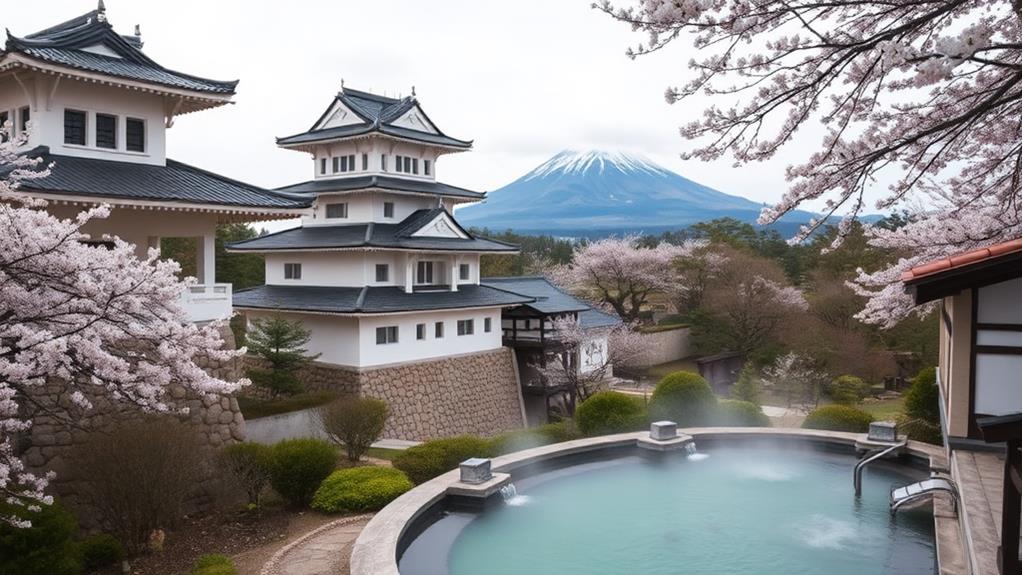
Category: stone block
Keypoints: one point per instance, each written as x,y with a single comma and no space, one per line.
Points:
663,430
475,470
883,431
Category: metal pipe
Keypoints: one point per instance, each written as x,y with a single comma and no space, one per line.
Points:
870,458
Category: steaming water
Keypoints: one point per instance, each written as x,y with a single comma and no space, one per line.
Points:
745,510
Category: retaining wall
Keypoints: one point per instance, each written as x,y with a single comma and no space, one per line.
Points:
666,346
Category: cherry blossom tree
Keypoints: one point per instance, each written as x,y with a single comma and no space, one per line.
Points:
621,274
797,376
925,94
98,320
624,348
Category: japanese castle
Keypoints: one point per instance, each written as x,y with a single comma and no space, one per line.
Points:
379,272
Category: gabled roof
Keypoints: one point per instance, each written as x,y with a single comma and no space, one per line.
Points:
69,44
976,268
174,182
377,114
362,183
372,235
369,300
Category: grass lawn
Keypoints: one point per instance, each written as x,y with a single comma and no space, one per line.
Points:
658,371
383,453
253,408
884,408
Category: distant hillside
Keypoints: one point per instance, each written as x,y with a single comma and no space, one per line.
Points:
599,193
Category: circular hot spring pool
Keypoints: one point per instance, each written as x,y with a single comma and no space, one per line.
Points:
733,508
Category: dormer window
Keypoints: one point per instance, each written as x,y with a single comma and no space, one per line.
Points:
106,131
134,135
334,211
74,127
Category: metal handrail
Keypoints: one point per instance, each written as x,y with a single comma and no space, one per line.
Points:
870,458
951,488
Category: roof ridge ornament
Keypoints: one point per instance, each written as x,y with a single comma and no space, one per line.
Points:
101,12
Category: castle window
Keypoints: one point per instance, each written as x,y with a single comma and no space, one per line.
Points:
388,209
424,273
292,271
420,331
6,135
488,325
426,167
351,163
464,272
26,116
383,162
322,165
415,166
336,164
365,162
337,210
74,127
398,165
134,137
466,327
438,330
106,131
408,164
385,335
382,272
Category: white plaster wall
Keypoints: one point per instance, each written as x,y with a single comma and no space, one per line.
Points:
1000,303
375,148
48,120
364,207
319,268
592,354
998,391
335,337
409,349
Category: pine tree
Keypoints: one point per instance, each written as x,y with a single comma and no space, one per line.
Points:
281,344
747,386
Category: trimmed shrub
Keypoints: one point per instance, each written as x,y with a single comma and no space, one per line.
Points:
838,418
684,398
848,390
432,458
609,412
360,489
249,465
535,437
299,466
922,400
139,474
920,430
100,550
354,423
738,413
214,564
45,547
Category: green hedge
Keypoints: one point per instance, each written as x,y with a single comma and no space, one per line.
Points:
214,564
100,550
921,430
684,398
738,413
534,437
360,489
609,412
298,466
848,390
45,547
922,400
432,458
838,418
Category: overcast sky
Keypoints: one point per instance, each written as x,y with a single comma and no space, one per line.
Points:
523,78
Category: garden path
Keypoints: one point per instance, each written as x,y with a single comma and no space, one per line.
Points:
322,551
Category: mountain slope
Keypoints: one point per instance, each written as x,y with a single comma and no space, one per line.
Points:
596,192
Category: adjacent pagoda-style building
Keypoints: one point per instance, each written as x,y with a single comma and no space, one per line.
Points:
379,271
90,102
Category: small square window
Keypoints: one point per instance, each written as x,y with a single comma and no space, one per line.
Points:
337,210
464,272
426,167
385,335
74,127
134,135
292,271
438,330
388,209
365,162
420,331
106,131
488,325
466,327
382,272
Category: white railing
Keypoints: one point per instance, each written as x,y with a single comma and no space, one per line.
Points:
207,302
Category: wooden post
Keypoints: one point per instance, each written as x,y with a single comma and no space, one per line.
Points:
1010,509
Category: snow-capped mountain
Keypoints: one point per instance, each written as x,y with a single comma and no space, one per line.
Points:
598,192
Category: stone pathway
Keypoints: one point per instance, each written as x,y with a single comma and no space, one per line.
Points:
322,551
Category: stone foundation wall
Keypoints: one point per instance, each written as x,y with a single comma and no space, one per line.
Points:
476,394
52,442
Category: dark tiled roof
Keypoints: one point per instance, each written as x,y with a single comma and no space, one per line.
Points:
63,45
351,184
371,235
377,114
594,318
175,182
370,299
549,298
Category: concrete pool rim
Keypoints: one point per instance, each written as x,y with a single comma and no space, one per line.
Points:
376,549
